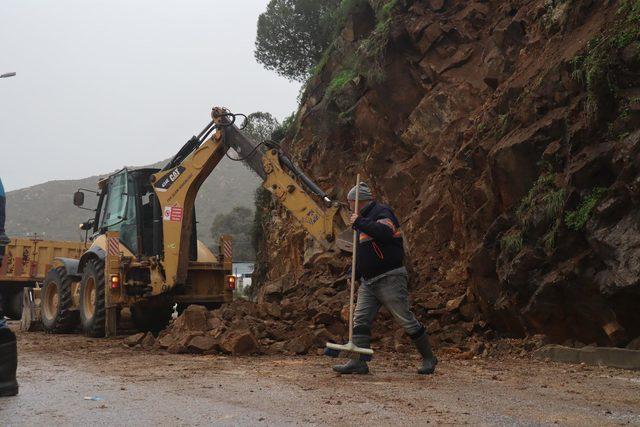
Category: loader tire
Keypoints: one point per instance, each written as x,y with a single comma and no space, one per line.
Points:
58,316
92,309
153,315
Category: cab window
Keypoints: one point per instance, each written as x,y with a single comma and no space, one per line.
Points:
114,209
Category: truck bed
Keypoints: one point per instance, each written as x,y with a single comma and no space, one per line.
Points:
27,261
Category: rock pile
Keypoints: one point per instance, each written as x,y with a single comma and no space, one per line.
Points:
302,319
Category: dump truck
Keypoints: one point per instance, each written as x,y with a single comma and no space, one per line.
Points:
24,263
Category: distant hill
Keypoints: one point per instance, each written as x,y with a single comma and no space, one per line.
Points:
47,209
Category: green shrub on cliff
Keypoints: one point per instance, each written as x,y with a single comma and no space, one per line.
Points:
597,68
341,79
512,243
577,219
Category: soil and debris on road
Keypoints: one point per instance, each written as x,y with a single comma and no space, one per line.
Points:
57,372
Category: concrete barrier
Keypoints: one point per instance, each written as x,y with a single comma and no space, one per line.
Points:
597,356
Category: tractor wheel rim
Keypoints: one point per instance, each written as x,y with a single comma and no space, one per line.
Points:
51,301
89,300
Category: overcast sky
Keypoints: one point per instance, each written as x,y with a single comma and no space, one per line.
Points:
104,84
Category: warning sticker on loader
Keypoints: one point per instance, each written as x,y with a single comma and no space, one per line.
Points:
173,213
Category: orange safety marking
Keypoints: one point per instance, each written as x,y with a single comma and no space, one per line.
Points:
378,251
364,236
388,223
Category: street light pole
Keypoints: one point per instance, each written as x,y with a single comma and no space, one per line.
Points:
5,75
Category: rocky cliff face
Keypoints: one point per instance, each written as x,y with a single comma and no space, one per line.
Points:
506,136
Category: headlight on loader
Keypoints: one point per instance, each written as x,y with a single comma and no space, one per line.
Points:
115,281
231,282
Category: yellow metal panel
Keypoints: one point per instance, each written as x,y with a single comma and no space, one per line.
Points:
177,199
30,259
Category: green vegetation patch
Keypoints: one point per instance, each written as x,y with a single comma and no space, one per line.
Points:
543,202
596,68
577,219
341,79
512,243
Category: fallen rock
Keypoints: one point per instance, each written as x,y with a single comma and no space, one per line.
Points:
270,293
195,318
634,344
214,323
468,311
166,341
134,340
148,341
239,342
176,348
201,344
454,304
323,318
300,344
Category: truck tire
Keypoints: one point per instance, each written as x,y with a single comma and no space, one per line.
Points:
58,316
92,310
153,315
13,305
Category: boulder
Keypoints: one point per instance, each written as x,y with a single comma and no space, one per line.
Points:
454,304
133,340
148,341
323,318
195,319
270,293
176,348
300,344
166,341
214,323
239,342
201,344
634,344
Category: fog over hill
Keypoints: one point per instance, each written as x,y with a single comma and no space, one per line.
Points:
47,209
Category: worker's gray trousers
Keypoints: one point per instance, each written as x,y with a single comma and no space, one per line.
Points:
389,290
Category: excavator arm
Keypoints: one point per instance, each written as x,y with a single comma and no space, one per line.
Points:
176,187
177,184
325,219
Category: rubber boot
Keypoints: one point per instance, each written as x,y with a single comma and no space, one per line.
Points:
8,363
361,338
429,361
353,366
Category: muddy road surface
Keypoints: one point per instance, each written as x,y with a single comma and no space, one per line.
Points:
134,387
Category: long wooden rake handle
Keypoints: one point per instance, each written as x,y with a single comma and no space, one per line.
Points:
353,262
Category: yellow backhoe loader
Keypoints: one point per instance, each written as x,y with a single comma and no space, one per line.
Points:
144,252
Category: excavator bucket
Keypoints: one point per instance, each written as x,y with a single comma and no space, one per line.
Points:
344,241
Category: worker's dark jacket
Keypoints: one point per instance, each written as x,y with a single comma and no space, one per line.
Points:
380,241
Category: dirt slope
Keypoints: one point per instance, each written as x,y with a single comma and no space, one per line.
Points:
506,136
